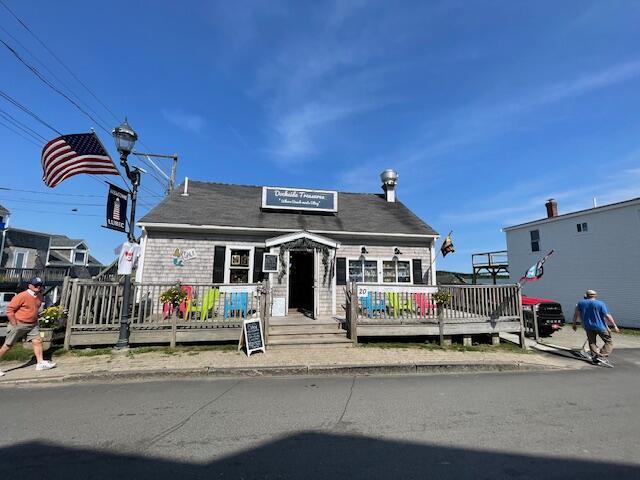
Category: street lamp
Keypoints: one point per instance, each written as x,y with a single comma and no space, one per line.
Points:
125,138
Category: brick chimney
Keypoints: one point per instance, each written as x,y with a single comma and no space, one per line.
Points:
552,208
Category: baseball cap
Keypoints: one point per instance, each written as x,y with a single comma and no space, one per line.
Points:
36,281
591,293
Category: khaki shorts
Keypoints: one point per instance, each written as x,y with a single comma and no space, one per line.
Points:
17,333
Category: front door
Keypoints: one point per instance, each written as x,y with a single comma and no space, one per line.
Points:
301,282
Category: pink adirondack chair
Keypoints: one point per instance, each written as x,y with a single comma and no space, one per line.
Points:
422,303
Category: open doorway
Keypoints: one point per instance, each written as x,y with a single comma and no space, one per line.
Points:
301,274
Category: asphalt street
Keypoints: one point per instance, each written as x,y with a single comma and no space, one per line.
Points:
504,425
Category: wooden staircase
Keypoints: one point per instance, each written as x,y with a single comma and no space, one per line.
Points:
297,330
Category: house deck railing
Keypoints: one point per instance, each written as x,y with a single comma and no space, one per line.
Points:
22,275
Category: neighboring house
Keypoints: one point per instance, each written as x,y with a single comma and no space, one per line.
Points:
219,233
27,249
597,248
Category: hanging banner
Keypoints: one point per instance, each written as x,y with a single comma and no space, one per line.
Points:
117,208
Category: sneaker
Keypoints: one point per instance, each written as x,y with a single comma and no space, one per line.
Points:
45,365
604,361
1,373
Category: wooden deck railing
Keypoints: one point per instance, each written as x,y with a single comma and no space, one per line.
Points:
99,304
21,275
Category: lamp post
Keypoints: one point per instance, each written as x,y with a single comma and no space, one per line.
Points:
125,138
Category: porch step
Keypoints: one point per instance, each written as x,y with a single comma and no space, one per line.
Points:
302,321
308,341
305,329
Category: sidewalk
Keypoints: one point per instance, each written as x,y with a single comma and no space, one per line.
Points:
320,361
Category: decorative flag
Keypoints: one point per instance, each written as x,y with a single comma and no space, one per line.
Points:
70,155
117,208
536,271
447,246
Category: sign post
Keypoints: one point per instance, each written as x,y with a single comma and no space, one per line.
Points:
251,336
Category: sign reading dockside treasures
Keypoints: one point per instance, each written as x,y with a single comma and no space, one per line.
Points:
117,208
299,199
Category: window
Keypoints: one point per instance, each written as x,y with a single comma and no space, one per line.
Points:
396,272
363,271
20,260
535,240
582,227
239,266
80,258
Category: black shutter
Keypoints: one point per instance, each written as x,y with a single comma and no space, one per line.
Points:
341,271
258,275
417,271
218,264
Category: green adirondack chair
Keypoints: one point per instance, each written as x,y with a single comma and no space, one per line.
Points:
209,301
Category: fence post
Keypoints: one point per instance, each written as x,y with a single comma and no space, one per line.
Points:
71,314
536,332
522,338
440,308
265,299
353,323
174,327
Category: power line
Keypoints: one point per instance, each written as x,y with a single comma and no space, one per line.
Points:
26,27
53,74
37,73
49,212
51,193
13,101
27,129
16,132
54,202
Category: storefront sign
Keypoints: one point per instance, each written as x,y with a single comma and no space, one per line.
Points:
299,199
269,263
252,336
117,208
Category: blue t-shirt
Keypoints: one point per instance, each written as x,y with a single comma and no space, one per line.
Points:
593,314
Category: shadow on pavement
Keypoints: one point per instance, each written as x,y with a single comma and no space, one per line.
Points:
310,455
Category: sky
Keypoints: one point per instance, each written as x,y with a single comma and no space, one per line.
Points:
485,108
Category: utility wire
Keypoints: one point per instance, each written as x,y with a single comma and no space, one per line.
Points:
50,193
26,27
52,73
17,132
26,128
13,101
37,73
53,202
49,212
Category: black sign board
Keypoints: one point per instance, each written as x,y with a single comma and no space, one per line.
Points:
117,208
252,336
270,263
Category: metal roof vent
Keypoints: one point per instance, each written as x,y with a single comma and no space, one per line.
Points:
389,180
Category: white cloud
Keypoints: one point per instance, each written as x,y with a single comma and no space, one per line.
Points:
189,122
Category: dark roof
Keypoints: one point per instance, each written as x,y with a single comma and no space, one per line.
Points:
577,212
240,206
4,211
64,241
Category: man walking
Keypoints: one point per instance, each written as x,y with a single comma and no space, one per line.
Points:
22,312
595,315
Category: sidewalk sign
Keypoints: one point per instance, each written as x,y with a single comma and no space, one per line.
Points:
252,336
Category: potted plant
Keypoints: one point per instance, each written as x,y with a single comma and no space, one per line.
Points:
50,322
173,296
441,298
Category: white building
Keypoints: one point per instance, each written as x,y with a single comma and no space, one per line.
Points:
597,248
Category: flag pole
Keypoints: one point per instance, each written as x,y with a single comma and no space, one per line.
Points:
433,260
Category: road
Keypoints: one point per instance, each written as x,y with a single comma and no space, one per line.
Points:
505,425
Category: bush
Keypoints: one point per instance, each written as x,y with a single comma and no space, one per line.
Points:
174,295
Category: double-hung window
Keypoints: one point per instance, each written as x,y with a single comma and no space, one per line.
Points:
239,266
535,240
363,271
396,271
582,227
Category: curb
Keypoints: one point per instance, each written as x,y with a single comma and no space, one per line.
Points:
293,370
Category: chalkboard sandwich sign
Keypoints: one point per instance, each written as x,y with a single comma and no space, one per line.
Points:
252,336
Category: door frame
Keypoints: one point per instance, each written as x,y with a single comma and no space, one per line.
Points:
314,257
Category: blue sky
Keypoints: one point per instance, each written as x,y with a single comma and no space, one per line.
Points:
485,108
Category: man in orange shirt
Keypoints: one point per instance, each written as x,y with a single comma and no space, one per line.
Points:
22,312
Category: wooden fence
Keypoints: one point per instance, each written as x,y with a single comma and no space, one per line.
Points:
380,310
210,312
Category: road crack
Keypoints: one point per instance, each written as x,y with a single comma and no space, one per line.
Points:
346,405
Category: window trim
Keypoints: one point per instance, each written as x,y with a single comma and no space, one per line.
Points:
228,266
536,241
582,227
25,258
84,261
380,269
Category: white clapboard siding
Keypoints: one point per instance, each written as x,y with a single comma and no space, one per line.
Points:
606,258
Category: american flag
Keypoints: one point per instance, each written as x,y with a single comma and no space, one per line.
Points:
70,155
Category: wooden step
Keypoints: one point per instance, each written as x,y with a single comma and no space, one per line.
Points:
309,336
298,329
307,341
302,321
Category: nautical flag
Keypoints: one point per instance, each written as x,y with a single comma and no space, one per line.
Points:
536,271
447,246
70,155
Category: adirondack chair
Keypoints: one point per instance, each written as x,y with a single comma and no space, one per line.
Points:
399,302
423,305
372,305
209,301
236,305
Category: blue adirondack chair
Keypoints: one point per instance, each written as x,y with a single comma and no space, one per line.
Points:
370,305
236,305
